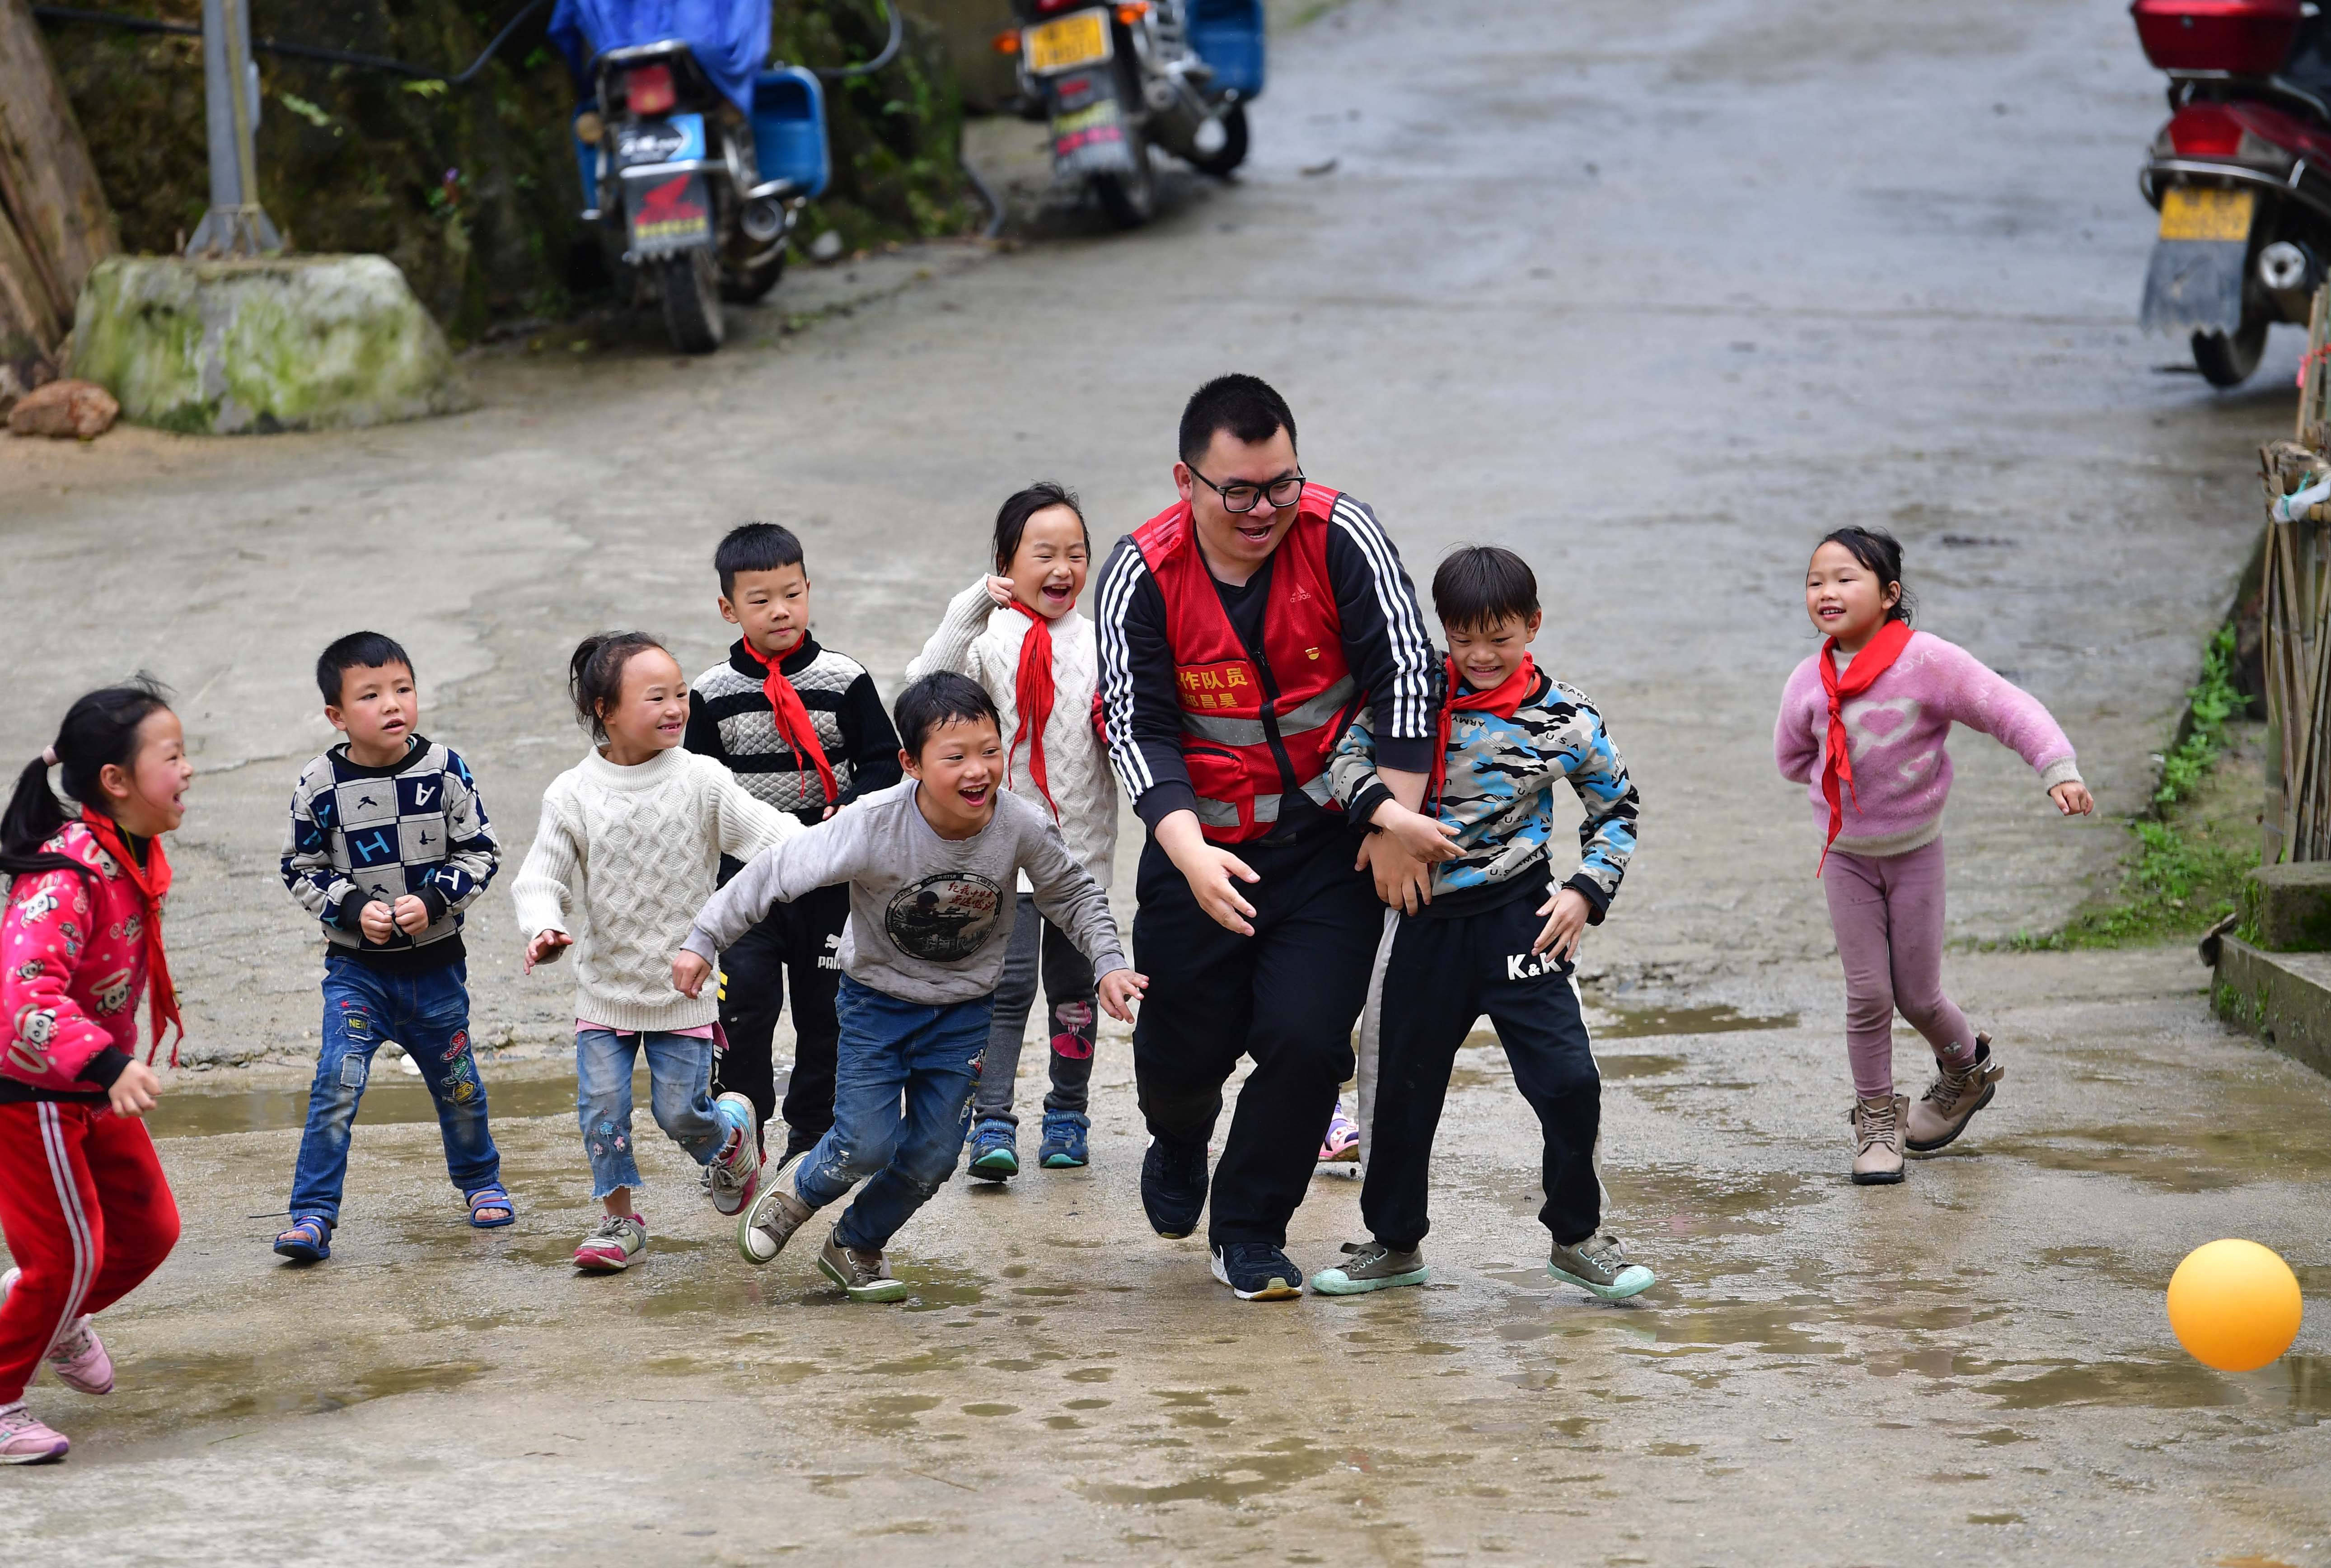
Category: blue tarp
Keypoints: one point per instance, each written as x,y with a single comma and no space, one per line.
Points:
730,38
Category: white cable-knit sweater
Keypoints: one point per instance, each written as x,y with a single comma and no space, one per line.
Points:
623,859
981,639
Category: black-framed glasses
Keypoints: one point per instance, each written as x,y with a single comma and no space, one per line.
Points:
1241,498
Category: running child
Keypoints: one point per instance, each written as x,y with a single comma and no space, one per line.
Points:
929,863
629,849
86,1209
388,845
1862,723
1475,944
801,726
1019,633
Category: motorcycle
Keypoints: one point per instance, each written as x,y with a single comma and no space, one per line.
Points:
1116,80
2240,173
695,161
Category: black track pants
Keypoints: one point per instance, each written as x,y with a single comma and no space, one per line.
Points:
1441,976
1286,996
803,936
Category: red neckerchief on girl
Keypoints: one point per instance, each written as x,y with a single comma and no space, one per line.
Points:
1876,658
1501,700
1031,694
152,880
793,725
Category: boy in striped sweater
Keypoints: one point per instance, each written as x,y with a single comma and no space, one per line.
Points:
804,730
388,844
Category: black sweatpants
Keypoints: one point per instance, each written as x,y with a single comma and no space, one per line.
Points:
803,936
1286,996
1441,976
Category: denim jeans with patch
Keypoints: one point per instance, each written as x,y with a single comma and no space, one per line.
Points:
904,1077
429,1016
679,1094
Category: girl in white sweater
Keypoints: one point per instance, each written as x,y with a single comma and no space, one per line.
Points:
628,850
1019,635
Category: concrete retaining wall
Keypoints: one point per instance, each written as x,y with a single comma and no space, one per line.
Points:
2283,998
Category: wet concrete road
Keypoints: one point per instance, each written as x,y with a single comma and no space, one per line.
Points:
1655,296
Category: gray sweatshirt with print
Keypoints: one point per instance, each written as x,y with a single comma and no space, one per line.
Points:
930,917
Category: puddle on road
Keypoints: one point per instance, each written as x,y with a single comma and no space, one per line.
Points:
391,1097
1636,1024
234,1387
1279,1465
2193,1156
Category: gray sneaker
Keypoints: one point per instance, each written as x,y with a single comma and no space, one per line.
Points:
768,1223
1371,1266
1599,1264
612,1244
863,1275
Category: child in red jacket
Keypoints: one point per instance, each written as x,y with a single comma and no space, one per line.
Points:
83,1203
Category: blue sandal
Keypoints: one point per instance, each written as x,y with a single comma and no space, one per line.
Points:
308,1240
491,1196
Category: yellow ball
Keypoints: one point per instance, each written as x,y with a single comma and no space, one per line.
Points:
2234,1305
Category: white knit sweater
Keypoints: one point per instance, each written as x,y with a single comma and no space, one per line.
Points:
623,859
981,639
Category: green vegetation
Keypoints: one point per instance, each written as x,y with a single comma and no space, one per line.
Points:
2189,851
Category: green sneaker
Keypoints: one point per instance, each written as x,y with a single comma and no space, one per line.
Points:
1371,1266
1599,1264
863,1275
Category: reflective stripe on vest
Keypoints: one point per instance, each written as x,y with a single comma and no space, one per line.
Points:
1321,709
1217,814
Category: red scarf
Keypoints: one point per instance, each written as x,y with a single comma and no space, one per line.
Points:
1031,694
1876,658
152,880
1501,700
793,725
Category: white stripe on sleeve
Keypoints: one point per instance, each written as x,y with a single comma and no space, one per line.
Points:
1412,649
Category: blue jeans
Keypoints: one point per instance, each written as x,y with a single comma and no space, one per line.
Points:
428,1015
894,1054
680,1093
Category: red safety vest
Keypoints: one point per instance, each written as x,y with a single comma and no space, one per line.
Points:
1252,733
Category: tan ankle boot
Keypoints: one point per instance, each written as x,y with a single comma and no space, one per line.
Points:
1951,1099
1877,1140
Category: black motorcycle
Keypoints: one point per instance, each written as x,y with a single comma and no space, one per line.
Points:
1117,79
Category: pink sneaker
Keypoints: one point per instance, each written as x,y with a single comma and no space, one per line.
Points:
1342,1142
80,1357
25,1441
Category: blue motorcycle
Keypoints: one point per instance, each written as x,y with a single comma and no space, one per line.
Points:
695,155
1117,79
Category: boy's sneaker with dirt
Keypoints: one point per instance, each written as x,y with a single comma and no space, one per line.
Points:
1257,1271
25,1440
1371,1266
1877,1140
1951,1101
769,1221
78,1355
612,1244
863,1275
994,1151
736,1171
1064,1147
1599,1264
1173,1185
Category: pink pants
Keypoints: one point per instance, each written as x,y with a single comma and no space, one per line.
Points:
1888,914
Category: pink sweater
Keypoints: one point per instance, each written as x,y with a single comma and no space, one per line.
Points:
1901,773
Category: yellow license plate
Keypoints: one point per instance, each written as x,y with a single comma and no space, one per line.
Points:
2190,214
1071,40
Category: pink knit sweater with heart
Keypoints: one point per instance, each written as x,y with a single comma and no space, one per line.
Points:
1895,730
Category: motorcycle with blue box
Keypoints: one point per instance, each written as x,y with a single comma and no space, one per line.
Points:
695,154
1117,79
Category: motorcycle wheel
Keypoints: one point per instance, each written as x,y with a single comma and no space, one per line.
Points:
746,285
2227,360
1233,150
691,301
1129,200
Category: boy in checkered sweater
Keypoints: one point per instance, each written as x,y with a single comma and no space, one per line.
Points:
804,729
388,844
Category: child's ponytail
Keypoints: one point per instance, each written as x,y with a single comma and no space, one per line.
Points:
100,729
595,674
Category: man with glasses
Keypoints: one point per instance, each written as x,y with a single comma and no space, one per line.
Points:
1241,630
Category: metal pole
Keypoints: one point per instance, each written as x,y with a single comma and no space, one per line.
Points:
235,226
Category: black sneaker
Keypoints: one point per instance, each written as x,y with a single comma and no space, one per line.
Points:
1173,1185
1257,1271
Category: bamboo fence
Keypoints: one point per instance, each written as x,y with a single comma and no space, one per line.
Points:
2297,823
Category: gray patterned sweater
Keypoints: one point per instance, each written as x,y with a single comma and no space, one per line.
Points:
730,721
